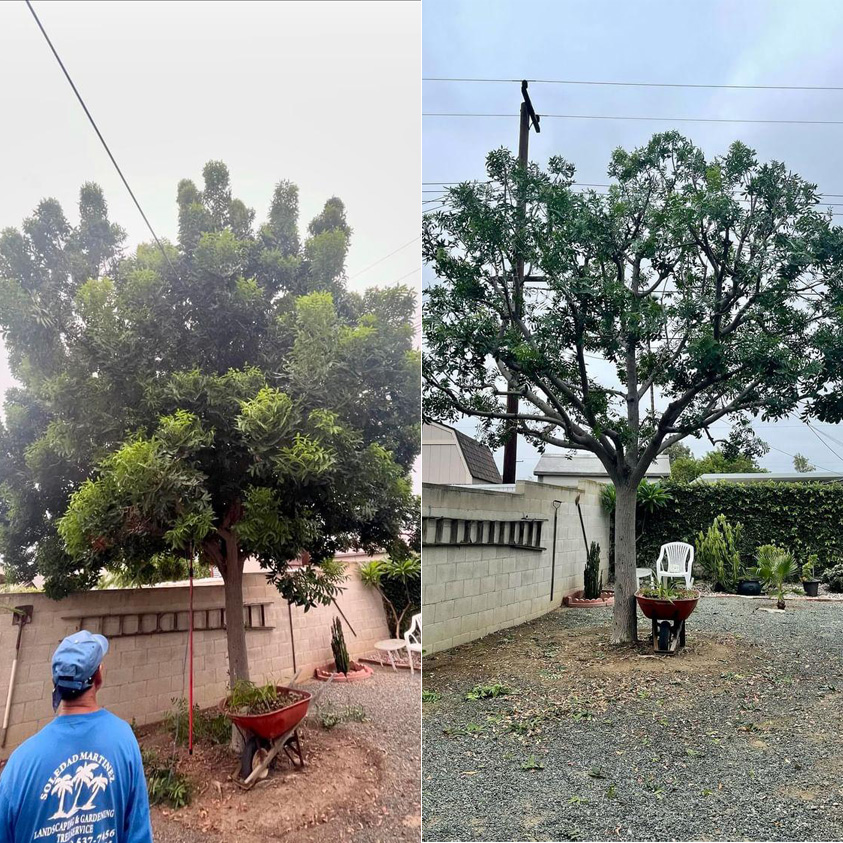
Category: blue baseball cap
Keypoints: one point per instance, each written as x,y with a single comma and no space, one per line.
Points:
75,662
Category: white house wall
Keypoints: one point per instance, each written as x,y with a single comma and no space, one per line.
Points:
470,589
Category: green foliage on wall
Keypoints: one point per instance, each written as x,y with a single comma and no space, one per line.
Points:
804,518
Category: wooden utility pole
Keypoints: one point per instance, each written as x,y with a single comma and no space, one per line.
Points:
528,116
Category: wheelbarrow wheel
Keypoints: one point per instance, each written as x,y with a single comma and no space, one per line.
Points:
664,635
247,756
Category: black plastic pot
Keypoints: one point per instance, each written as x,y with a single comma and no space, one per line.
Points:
811,587
749,588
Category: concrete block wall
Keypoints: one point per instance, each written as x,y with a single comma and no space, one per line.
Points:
470,590
143,674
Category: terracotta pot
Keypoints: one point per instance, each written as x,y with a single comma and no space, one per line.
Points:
577,601
356,672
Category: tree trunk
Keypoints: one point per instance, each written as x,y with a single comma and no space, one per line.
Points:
235,628
625,619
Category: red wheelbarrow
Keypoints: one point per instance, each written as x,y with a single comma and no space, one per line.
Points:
668,638
265,735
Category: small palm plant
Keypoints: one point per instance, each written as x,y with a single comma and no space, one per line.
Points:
400,572
775,567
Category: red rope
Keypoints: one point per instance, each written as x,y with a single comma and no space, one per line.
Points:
190,638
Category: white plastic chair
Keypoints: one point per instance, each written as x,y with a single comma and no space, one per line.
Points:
412,639
643,574
676,559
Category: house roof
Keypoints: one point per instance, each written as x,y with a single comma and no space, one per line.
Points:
560,464
478,458
773,477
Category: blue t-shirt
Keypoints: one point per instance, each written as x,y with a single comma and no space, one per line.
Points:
79,780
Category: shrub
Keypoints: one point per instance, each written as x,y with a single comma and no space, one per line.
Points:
808,567
330,717
211,726
164,783
338,647
485,692
833,577
803,517
717,553
592,578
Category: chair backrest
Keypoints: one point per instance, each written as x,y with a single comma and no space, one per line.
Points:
413,634
678,557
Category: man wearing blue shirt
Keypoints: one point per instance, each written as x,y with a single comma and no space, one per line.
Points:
80,779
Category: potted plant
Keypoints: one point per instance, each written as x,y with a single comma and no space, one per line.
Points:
663,602
809,580
592,594
342,668
775,567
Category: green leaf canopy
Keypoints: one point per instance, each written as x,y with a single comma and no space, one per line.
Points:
242,402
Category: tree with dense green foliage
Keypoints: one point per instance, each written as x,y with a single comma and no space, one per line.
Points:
686,469
231,399
802,464
714,282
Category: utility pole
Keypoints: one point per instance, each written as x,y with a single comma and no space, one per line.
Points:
528,116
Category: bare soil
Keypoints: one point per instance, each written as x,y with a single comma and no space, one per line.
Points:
341,779
360,781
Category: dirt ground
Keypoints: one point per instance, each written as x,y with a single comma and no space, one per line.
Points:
357,784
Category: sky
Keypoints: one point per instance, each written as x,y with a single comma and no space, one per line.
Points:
717,42
326,95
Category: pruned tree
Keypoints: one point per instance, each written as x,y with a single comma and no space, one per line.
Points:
231,400
713,283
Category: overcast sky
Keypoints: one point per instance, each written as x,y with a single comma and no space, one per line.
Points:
772,42
324,94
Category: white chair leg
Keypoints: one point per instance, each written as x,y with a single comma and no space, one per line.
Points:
410,658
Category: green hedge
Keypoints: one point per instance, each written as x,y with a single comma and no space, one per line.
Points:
802,517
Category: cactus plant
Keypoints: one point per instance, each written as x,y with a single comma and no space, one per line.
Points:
338,647
592,578
718,555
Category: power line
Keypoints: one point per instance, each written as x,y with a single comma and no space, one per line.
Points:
648,118
407,275
793,456
823,441
99,135
640,84
381,260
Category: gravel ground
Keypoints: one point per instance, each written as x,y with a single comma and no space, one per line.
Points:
391,732
736,738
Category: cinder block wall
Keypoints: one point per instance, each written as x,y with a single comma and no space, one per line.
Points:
144,673
470,589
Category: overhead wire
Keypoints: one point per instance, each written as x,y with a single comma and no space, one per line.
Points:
100,136
777,121
610,83
381,260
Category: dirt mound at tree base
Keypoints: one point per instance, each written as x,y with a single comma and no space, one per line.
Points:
332,796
